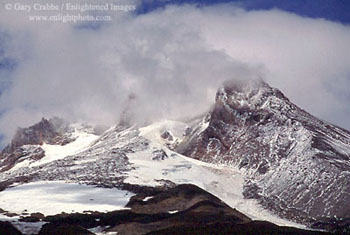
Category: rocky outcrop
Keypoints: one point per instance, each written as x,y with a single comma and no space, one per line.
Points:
8,228
19,154
100,164
295,164
183,209
51,131
26,142
67,229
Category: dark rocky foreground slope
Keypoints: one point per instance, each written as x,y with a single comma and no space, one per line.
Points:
8,228
183,209
295,164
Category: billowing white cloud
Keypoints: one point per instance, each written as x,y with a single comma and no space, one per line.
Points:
171,62
308,59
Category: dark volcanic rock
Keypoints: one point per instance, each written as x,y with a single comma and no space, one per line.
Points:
295,164
180,198
7,228
159,155
184,209
60,229
254,227
167,135
334,225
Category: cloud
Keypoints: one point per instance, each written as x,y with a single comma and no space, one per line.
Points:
308,59
170,62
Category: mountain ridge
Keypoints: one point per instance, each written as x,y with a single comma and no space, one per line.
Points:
256,128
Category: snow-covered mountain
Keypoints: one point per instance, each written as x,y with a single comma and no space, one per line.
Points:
293,163
256,151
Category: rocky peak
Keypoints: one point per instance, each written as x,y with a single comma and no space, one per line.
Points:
49,131
27,141
247,93
251,100
290,156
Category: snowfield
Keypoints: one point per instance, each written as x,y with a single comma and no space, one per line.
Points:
55,197
140,155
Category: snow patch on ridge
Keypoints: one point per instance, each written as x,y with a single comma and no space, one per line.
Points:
83,140
55,152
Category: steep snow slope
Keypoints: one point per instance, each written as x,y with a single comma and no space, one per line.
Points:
55,152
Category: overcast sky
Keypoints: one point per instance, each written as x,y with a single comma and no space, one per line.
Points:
172,59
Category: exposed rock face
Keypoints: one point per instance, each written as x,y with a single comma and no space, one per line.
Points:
159,155
20,154
295,163
25,143
167,135
100,164
49,131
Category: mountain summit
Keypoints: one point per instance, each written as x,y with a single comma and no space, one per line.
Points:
294,163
